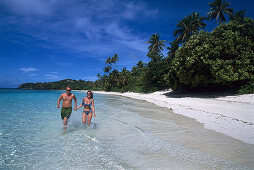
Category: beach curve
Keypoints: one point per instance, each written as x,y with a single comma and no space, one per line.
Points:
230,115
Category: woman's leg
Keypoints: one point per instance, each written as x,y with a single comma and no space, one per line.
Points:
83,118
89,118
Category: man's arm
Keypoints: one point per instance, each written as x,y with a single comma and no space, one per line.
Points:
74,97
59,100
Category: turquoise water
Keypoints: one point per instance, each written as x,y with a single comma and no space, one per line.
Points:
123,136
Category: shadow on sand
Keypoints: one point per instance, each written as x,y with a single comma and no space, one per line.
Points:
200,94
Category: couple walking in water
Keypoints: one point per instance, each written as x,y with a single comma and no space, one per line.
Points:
87,102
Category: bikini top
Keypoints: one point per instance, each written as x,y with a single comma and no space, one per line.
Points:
89,105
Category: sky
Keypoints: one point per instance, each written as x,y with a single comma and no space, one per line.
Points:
51,40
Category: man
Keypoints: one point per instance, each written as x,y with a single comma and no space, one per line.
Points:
66,105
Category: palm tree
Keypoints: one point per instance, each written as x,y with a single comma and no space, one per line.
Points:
111,63
140,64
107,69
115,58
217,10
188,26
198,21
112,60
98,75
239,16
156,46
125,77
174,45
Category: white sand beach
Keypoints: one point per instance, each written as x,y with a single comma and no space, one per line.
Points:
230,115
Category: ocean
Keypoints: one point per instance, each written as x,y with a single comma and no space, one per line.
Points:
125,134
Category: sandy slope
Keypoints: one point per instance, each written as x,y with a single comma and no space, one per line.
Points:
231,115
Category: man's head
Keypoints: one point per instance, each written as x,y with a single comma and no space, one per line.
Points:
68,90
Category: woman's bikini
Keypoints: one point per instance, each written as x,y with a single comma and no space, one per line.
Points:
89,105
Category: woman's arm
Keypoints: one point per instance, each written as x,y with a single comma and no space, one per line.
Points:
93,108
80,105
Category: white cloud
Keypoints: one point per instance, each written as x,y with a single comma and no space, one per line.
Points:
118,32
89,28
32,74
52,76
137,9
28,69
53,72
124,36
29,7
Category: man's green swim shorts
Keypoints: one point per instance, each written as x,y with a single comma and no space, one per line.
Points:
66,112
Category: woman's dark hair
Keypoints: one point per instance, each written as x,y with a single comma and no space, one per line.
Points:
91,93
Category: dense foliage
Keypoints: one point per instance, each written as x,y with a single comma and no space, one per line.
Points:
224,57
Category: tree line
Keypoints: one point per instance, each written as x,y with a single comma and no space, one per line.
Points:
59,85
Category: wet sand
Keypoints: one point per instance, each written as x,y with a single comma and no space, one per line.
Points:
232,115
187,132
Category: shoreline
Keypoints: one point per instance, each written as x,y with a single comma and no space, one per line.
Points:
230,115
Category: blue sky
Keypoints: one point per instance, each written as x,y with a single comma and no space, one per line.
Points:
49,40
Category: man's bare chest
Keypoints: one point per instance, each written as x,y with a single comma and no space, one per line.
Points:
67,98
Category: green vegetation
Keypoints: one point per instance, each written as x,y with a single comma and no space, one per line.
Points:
222,58
59,85
196,59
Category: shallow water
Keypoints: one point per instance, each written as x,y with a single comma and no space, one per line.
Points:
125,134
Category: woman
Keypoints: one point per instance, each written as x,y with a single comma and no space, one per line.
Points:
88,104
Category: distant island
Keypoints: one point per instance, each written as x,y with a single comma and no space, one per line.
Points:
59,85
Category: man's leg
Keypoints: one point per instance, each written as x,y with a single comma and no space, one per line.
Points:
65,121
